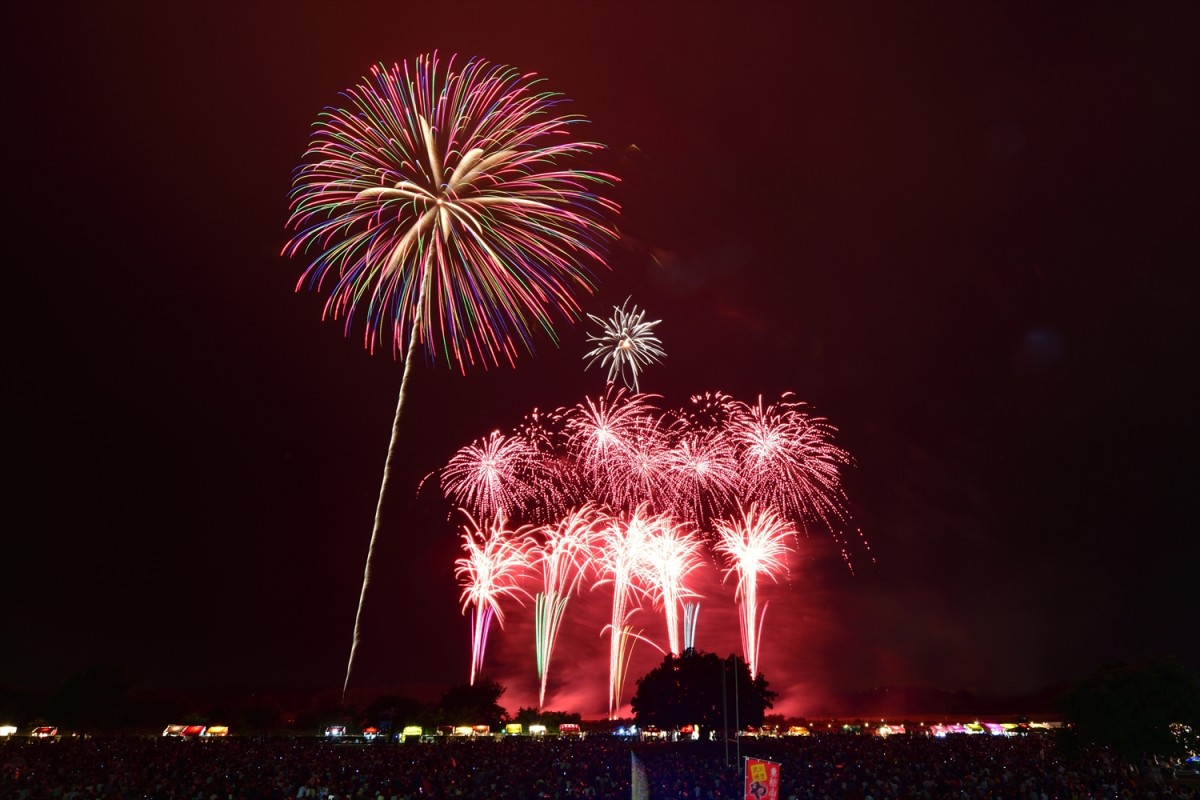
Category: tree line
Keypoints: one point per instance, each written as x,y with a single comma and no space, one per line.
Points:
1150,707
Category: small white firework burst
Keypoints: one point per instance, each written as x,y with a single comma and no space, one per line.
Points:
626,343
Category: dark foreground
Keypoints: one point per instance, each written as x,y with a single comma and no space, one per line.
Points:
834,767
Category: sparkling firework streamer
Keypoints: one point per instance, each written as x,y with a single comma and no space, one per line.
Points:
625,638
620,561
753,543
671,553
439,207
626,343
563,558
691,618
495,560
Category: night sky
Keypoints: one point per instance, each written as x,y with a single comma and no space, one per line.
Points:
965,234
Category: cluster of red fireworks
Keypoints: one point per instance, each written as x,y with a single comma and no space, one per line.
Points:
617,491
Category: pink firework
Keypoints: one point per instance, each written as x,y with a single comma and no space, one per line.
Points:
620,561
643,476
563,558
495,560
743,478
670,554
497,476
789,461
604,436
754,543
701,474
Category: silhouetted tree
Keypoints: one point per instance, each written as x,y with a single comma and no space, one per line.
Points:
156,708
252,713
393,712
1131,708
316,720
701,688
551,719
20,706
263,713
473,705
93,700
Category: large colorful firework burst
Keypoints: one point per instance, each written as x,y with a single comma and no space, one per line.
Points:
440,206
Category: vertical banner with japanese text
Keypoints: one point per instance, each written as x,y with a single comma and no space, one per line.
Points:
762,779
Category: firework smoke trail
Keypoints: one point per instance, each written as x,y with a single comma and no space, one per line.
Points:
562,559
495,559
626,343
755,543
620,561
670,554
438,204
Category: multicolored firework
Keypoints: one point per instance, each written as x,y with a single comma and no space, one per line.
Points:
438,205
495,559
754,543
626,343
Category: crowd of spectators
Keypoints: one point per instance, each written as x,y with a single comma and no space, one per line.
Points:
827,767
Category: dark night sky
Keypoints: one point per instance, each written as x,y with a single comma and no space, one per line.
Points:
967,234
